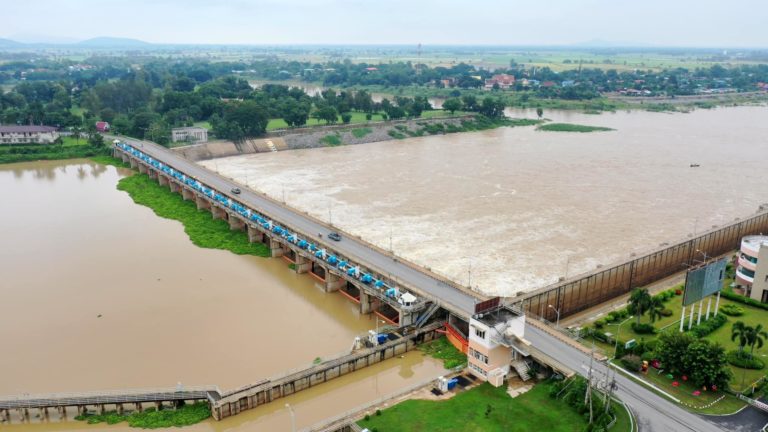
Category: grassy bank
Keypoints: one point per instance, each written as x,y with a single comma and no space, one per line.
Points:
486,408
478,123
569,127
202,230
33,152
443,350
153,419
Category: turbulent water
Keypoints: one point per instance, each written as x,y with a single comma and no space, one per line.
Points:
513,209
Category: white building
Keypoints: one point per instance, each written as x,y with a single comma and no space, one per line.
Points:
495,342
752,272
28,134
191,134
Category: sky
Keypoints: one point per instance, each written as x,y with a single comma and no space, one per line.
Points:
682,23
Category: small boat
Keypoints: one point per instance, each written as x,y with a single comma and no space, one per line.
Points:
695,165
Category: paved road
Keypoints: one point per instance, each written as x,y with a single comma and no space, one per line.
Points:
652,412
449,297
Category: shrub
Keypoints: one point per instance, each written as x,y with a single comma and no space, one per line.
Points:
666,312
648,356
678,292
709,326
732,310
643,328
378,412
744,360
599,323
744,300
623,313
368,116
600,336
631,362
612,317
346,117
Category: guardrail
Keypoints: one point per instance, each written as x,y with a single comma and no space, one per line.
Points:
107,397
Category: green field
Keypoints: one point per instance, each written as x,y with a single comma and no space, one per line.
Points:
569,127
445,351
487,409
152,418
202,230
728,405
357,118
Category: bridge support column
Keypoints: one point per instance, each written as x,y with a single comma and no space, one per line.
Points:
119,408
62,412
6,415
174,186
407,318
162,180
202,202
25,414
187,194
303,264
152,173
44,413
236,224
159,406
218,212
124,157
142,168
254,235
333,282
276,247
366,301
139,407
102,409
81,410
134,163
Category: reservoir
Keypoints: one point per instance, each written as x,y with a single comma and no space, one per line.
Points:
509,210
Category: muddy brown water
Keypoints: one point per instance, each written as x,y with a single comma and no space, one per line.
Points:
100,293
512,209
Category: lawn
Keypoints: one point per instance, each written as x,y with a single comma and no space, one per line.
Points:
484,408
69,141
445,351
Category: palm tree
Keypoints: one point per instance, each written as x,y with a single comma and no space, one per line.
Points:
655,309
741,331
639,301
756,338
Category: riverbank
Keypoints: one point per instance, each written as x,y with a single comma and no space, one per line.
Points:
32,152
202,230
152,418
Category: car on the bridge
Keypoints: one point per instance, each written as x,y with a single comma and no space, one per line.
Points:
334,236
235,190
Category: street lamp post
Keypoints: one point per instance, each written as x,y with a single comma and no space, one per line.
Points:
618,332
557,311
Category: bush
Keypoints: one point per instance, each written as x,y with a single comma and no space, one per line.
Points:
744,360
631,362
666,312
709,326
623,313
648,356
732,310
744,300
346,117
643,328
612,317
599,323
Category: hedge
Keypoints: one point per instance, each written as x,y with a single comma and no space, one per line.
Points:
709,326
732,310
643,328
744,300
744,360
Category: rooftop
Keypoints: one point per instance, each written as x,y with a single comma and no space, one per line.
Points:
755,241
189,129
27,129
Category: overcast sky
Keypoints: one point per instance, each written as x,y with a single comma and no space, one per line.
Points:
699,23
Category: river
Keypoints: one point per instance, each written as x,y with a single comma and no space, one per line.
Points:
513,209
100,293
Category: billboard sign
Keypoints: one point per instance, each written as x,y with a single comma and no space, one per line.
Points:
704,281
487,305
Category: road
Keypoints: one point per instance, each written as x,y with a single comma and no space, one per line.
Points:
451,298
653,412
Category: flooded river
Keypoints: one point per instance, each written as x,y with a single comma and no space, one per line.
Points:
513,209
100,293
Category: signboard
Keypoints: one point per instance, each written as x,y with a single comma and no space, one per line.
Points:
630,344
487,305
704,281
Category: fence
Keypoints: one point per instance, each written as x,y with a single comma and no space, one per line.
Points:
585,291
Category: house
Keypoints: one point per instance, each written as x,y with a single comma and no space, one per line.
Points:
547,84
102,126
497,345
28,134
191,134
504,81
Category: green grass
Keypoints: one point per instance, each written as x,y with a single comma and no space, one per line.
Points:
68,141
203,124
357,118
202,230
153,419
331,140
33,152
466,412
443,350
569,127
110,160
684,392
361,132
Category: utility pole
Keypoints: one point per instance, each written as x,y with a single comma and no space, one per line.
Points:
588,395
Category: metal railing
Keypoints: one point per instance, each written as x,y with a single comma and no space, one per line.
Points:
107,397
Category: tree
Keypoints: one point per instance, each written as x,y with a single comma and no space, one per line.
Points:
296,113
539,112
346,117
639,301
77,132
326,113
756,337
706,364
95,140
655,309
492,107
452,105
741,332
671,349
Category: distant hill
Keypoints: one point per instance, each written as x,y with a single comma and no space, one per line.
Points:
107,42
8,43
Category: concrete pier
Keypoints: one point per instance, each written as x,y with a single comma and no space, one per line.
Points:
219,213
202,203
187,194
236,224
333,282
254,235
162,180
276,247
303,264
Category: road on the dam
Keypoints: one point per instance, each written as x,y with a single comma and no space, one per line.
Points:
653,412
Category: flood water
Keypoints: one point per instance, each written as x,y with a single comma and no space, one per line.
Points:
513,209
100,293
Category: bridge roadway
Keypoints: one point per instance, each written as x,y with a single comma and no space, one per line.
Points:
449,297
653,412
210,393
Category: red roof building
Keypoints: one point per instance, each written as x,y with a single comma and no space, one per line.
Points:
504,81
102,126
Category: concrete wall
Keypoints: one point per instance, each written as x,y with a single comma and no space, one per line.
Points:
602,285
